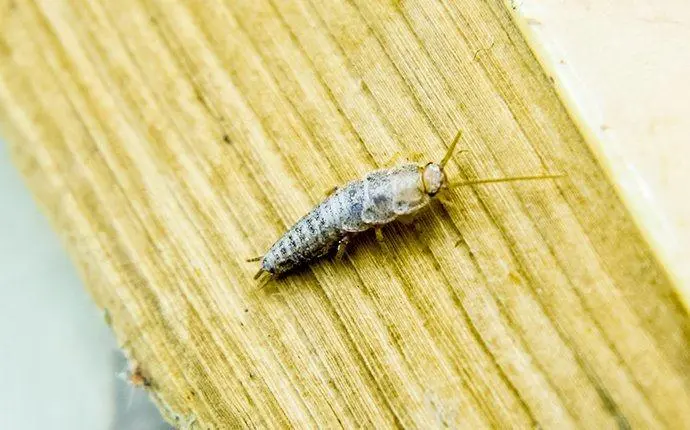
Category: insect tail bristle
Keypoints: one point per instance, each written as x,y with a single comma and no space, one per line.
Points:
264,278
253,259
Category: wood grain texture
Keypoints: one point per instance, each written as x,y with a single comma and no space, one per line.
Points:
170,140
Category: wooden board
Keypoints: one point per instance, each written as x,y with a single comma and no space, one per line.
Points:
618,71
170,140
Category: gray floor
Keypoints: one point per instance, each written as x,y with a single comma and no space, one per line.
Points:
59,361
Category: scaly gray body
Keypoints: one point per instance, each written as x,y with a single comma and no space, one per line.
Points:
379,198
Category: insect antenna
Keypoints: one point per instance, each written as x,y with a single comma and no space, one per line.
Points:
506,179
451,148
251,260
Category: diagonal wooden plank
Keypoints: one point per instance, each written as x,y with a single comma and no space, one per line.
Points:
168,141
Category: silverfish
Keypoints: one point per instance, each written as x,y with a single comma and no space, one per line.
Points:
382,196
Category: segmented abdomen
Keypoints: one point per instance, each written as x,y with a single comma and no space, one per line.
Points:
318,231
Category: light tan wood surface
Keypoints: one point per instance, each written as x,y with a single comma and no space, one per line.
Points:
168,141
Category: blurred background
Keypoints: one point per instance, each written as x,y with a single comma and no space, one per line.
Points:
60,365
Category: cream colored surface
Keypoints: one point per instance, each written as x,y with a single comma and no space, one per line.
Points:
57,354
624,69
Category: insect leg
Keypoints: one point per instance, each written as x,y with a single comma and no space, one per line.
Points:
393,160
253,259
342,244
258,274
415,156
444,200
407,219
379,234
331,190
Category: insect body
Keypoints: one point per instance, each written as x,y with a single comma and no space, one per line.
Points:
381,197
